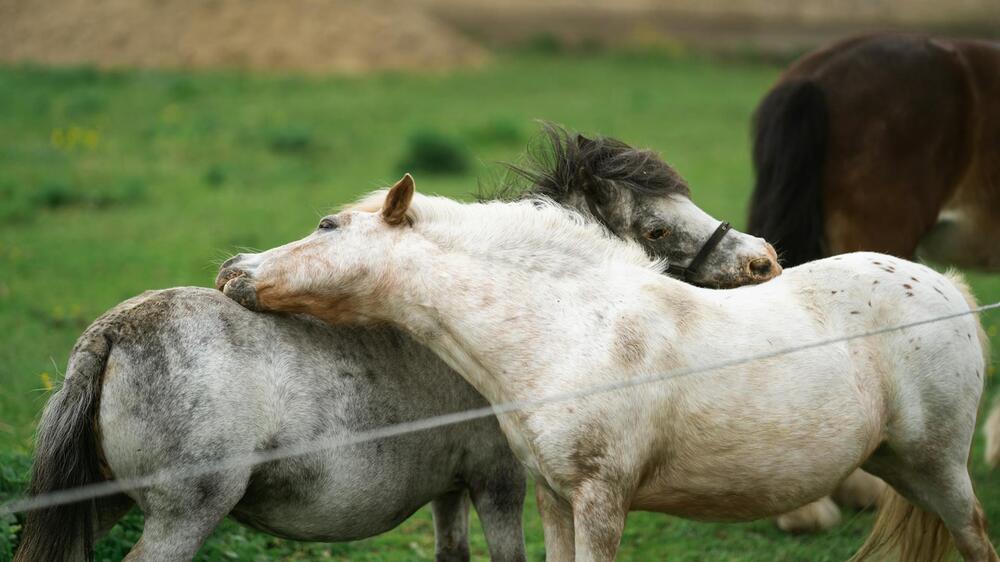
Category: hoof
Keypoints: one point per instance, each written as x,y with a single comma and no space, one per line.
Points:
819,515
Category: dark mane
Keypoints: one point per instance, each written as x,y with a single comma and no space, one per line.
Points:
560,163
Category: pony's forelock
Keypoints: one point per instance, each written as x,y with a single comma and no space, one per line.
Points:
560,162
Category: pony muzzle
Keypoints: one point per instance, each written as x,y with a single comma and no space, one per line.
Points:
764,268
237,285
227,274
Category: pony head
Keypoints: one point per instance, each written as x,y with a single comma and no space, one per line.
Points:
327,272
638,196
394,247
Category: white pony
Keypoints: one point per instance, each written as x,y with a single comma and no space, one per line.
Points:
527,300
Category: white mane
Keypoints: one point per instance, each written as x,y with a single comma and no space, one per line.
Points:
507,231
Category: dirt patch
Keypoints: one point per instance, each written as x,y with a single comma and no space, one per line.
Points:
767,26
300,35
319,36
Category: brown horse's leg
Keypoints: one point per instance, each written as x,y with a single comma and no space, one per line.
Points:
890,218
963,238
967,231
870,231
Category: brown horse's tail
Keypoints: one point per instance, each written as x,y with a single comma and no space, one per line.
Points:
789,146
907,532
67,456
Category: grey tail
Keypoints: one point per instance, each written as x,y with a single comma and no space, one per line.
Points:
789,148
67,455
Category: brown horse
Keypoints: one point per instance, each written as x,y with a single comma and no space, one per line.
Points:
888,143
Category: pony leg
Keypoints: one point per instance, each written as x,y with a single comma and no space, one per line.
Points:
972,538
181,515
819,515
939,493
451,527
557,522
110,510
499,502
860,490
992,431
951,496
599,516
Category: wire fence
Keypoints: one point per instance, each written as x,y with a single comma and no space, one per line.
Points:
103,489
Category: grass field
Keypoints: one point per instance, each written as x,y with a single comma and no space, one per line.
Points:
114,183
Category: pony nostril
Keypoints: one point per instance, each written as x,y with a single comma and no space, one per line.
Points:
226,274
760,267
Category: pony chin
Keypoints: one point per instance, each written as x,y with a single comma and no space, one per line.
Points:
331,307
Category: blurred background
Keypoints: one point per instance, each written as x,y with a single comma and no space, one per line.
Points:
319,36
142,141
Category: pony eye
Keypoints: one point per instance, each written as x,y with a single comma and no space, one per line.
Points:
657,233
327,224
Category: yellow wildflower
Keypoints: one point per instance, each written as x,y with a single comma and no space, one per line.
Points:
57,138
90,138
46,381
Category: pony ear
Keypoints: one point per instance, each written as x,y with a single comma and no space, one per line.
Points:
398,200
583,142
593,188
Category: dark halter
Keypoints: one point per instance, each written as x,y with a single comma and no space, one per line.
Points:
682,272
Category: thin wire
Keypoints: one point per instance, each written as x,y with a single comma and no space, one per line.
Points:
102,489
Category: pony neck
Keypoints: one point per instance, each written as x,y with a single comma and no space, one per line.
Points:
508,330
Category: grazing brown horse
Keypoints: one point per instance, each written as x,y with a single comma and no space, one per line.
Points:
887,143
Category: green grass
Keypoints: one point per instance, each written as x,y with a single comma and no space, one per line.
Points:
114,183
